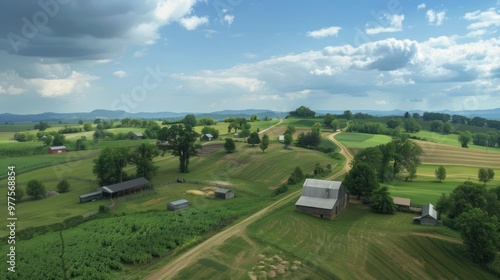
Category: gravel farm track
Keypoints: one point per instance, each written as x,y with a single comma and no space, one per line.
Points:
171,269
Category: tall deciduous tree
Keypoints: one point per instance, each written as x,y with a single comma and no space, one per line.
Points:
229,145
108,167
189,119
464,138
143,157
481,234
440,173
361,180
180,140
485,175
411,125
407,154
288,140
381,201
264,144
35,189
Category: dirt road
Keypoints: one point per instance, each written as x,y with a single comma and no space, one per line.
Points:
175,266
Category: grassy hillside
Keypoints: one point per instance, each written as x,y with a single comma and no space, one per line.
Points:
357,245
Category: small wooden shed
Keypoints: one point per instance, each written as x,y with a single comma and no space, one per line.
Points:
207,137
178,205
224,193
137,136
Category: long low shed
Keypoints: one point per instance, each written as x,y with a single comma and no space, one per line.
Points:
90,196
224,193
178,205
126,187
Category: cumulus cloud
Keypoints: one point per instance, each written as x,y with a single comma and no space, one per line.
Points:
12,90
324,32
435,18
191,23
120,74
394,22
229,19
390,66
421,6
74,83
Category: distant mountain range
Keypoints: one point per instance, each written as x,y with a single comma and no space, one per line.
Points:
218,115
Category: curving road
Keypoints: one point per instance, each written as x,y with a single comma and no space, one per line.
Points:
171,269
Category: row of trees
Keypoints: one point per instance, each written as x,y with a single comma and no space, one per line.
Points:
36,189
484,174
489,139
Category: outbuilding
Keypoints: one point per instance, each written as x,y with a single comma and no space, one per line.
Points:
403,204
224,193
322,198
428,217
178,205
124,188
57,149
281,138
90,196
137,136
207,137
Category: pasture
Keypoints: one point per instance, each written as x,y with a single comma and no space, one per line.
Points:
358,244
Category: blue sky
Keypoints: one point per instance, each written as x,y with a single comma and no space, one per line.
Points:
203,56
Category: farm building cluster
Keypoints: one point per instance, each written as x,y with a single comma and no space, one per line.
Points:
322,198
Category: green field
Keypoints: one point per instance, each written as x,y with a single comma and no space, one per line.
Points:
362,140
356,245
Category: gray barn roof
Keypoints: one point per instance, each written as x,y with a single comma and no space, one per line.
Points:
321,188
321,194
125,185
91,194
220,190
178,202
316,202
428,210
209,135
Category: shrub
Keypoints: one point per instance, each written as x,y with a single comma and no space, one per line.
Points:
63,186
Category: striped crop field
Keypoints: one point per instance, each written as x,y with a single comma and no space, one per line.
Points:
440,154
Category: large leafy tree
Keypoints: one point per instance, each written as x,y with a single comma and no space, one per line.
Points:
288,140
303,112
189,119
411,125
180,140
407,154
464,138
466,196
35,189
381,201
253,138
143,157
361,180
108,167
210,130
485,175
481,234
264,143
229,145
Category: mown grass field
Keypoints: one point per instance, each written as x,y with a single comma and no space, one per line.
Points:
358,244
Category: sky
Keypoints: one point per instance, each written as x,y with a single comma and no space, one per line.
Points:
205,56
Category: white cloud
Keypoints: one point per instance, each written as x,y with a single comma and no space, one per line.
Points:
324,32
140,53
421,6
483,19
209,33
229,19
435,18
326,71
12,90
191,23
120,74
215,79
395,24
75,83
380,102
476,33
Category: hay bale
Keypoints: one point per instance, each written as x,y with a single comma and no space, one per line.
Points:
297,263
293,268
271,274
261,256
278,258
281,271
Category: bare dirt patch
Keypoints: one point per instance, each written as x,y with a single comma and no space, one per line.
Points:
206,191
222,183
210,148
